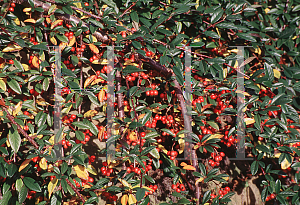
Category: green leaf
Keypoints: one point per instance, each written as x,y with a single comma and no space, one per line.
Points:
68,10
74,60
134,16
277,186
184,201
269,72
246,36
151,135
147,150
62,38
14,85
217,15
32,184
140,193
22,194
168,131
131,69
80,124
79,135
146,118
92,128
14,139
58,135
136,44
155,153
286,33
206,197
254,167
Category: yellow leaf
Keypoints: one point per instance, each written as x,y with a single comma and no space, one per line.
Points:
101,95
189,167
277,73
35,62
132,135
26,67
267,10
26,9
24,164
181,145
43,163
101,61
7,143
258,51
53,40
205,107
249,121
214,136
42,102
30,21
225,178
114,163
90,113
62,46
2,85
66,110
89,80
17,108
94,38
81,171
78,5
161,147
124,199
55,23
131,199
225,72
12,48
48,20
141,116
241,92
17,21
72,41
199,180
125,183
51,186
285,164
129,62
96,81
91,169
93,48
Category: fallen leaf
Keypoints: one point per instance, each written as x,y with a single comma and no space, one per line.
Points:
131,199
132,135
189,167
205,107
101,95
35,62
277,73
89,80
26,9
91,169
90,113
43,163
249,121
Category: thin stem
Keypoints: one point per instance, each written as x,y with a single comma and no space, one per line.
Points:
76,190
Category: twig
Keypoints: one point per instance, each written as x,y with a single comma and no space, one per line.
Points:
11,118
75,189
127,10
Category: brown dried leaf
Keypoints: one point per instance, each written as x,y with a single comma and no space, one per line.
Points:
35,62
89,80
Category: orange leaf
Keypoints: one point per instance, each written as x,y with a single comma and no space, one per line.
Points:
51,186
62,46
30,21
94,48
100,134
72,41
35,62
89,80
189,167
183,164
132,135
124,199
101,95
90,113
24,164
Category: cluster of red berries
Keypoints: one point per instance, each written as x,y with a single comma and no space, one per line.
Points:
216,159
221,105
105,170
66,90
68,119
222,192
70,35
167,120
12,7
31,194
30,61
153,189
127,59
132,76
32,40
228,140
83,182
263,93
87,136
69,64
92,159
33,92
206,129
109,197
172,154
123,34
200,99
178,187
66,144
152,92
272,196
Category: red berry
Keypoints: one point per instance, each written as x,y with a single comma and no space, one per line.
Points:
11,62
91,179
86,4
227,188
174,186
11,9
178,190
149,53
63,142
13,5
68,143
143,134
26,127
182,187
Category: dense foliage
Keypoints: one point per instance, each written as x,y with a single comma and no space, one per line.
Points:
167,142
